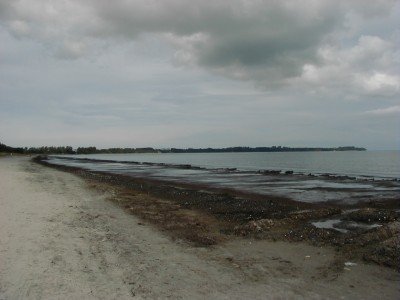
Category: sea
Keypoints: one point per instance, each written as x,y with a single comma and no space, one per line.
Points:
337,176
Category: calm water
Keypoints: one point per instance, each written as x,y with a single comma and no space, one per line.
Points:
365,166
378,164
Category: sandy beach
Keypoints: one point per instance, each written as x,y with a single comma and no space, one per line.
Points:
61,238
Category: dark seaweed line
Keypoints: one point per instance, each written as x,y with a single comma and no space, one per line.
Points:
222,202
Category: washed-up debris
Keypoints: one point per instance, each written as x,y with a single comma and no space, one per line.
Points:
372,215
206,217
317,236
385,248
380,234
386,253
255,227
314,214
294,218
350,264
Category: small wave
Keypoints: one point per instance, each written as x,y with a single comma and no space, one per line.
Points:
272,172
297,186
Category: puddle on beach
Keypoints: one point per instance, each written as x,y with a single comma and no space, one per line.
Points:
329,224
343,226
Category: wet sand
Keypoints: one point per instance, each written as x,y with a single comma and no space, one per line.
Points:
65,237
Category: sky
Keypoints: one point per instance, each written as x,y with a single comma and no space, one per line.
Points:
195,73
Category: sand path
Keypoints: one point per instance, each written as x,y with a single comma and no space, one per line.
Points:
60,239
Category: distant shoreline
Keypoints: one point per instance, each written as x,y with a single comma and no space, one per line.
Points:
94,150
263,149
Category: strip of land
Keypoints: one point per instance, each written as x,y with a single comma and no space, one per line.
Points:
61,237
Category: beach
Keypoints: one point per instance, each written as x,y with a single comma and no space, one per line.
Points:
64,236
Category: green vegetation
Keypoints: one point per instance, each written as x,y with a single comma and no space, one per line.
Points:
69,150
37,150
8,149
93,150
50,150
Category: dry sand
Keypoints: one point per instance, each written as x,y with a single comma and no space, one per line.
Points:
60,239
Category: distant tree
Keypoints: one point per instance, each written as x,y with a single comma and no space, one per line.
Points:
86,150
8,149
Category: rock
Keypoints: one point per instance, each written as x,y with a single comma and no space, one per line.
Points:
270,172
41,157
289,172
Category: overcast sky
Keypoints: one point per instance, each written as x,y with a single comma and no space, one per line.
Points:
196,73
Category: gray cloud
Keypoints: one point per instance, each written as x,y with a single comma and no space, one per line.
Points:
267,42
388,111
165,68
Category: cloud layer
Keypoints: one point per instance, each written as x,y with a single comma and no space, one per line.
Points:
339,53
269,42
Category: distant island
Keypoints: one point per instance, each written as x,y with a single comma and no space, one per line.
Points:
94,150
261,149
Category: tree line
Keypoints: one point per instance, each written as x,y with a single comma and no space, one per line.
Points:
71,150
37,150
94,150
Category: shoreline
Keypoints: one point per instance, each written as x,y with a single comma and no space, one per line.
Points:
326,188
207,216
274,172
63,236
